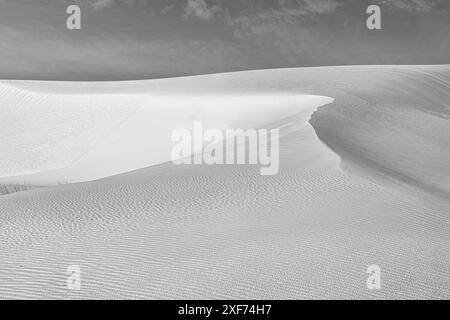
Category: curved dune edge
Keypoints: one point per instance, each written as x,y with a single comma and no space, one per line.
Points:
59,138
392,124
387,122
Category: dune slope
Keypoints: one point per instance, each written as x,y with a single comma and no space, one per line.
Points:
70,134
364,183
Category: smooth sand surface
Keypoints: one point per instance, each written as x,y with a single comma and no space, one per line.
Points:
61,137
365,181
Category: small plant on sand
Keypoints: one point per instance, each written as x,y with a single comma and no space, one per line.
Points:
8,189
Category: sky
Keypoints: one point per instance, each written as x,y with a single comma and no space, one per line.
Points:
144,39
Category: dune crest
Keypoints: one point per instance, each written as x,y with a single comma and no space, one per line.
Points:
64,137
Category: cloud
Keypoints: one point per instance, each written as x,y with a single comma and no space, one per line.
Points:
292,8
412,5
99,4
284,12
200,9
321,6
167,9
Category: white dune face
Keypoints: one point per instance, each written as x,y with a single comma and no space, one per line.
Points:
91,134
374,190
51,131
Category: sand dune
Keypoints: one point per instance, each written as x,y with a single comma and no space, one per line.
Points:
66,137
365,181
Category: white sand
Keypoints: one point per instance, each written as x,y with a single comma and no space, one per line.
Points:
64,138
374,189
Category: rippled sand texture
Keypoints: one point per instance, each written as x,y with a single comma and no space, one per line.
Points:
365,182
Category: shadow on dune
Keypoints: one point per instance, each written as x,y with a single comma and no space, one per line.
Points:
392,122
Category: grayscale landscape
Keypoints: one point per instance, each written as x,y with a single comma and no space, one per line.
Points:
224,154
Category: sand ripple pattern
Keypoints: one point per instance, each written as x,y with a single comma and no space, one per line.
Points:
364,197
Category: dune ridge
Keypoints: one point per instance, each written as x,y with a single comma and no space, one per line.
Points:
71,136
